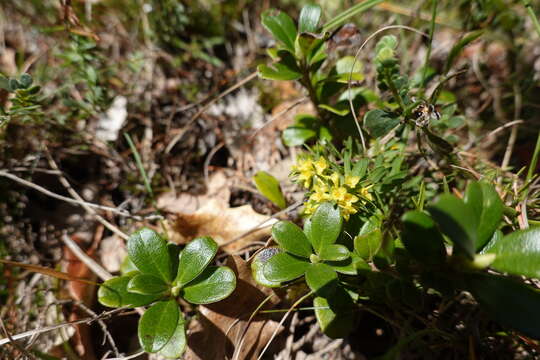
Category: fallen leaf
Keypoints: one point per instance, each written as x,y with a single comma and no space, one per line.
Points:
218,323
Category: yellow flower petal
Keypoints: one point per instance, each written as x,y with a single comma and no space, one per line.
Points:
320,165
351,181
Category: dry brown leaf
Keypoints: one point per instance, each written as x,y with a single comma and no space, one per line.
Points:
217,332
212,216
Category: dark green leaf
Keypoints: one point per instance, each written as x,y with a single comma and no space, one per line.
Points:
177,344
322,279
334,252
437,143
296,136
194,258
510,302
457,221
269,187
147,285
488,207
25,81
257,266
335,314
214,284
281,26
309,18
351,266
285,267
291,239
158,325
422,238
325,226
149,253
113,293
518,253
379,123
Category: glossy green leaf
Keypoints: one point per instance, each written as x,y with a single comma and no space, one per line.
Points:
269,187
285,267
147,285
214,284
488,207
257,266
422,238
335,314
127,266
334,252
177,343
510,302
291,239
457,221
353,265
348,64
25,80
437,143
379,123
322,279
518,253
149,253
325,226
367,245
297,136
158,325
308,44
309,18
113,293
281,26
277,72
194,258
341,110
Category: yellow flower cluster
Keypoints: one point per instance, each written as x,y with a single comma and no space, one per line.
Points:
328,185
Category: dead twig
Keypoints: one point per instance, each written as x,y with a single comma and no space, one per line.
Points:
87,260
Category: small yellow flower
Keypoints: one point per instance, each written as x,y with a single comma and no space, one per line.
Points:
304,165
310,208
320,193
351,181
339,193
334,178
364,192
320,165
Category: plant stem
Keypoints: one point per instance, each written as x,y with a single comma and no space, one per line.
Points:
428,53
350,12
532,15
534,160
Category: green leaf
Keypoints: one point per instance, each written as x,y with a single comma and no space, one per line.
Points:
488,207
350,266
269,187
334,252
25,81
177,344
325,226
510,302
285,267
149,253
354,10
278,72
437,143
291,239
214,284
281,26
518,253
296,136
194,258
257,266
147,285
459,46
335,314
422,238
367,245
340,110
379,123
127,266
322,279
457,221
114,293
309,18
158,325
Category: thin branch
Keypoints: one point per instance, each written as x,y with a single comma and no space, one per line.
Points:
87,260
